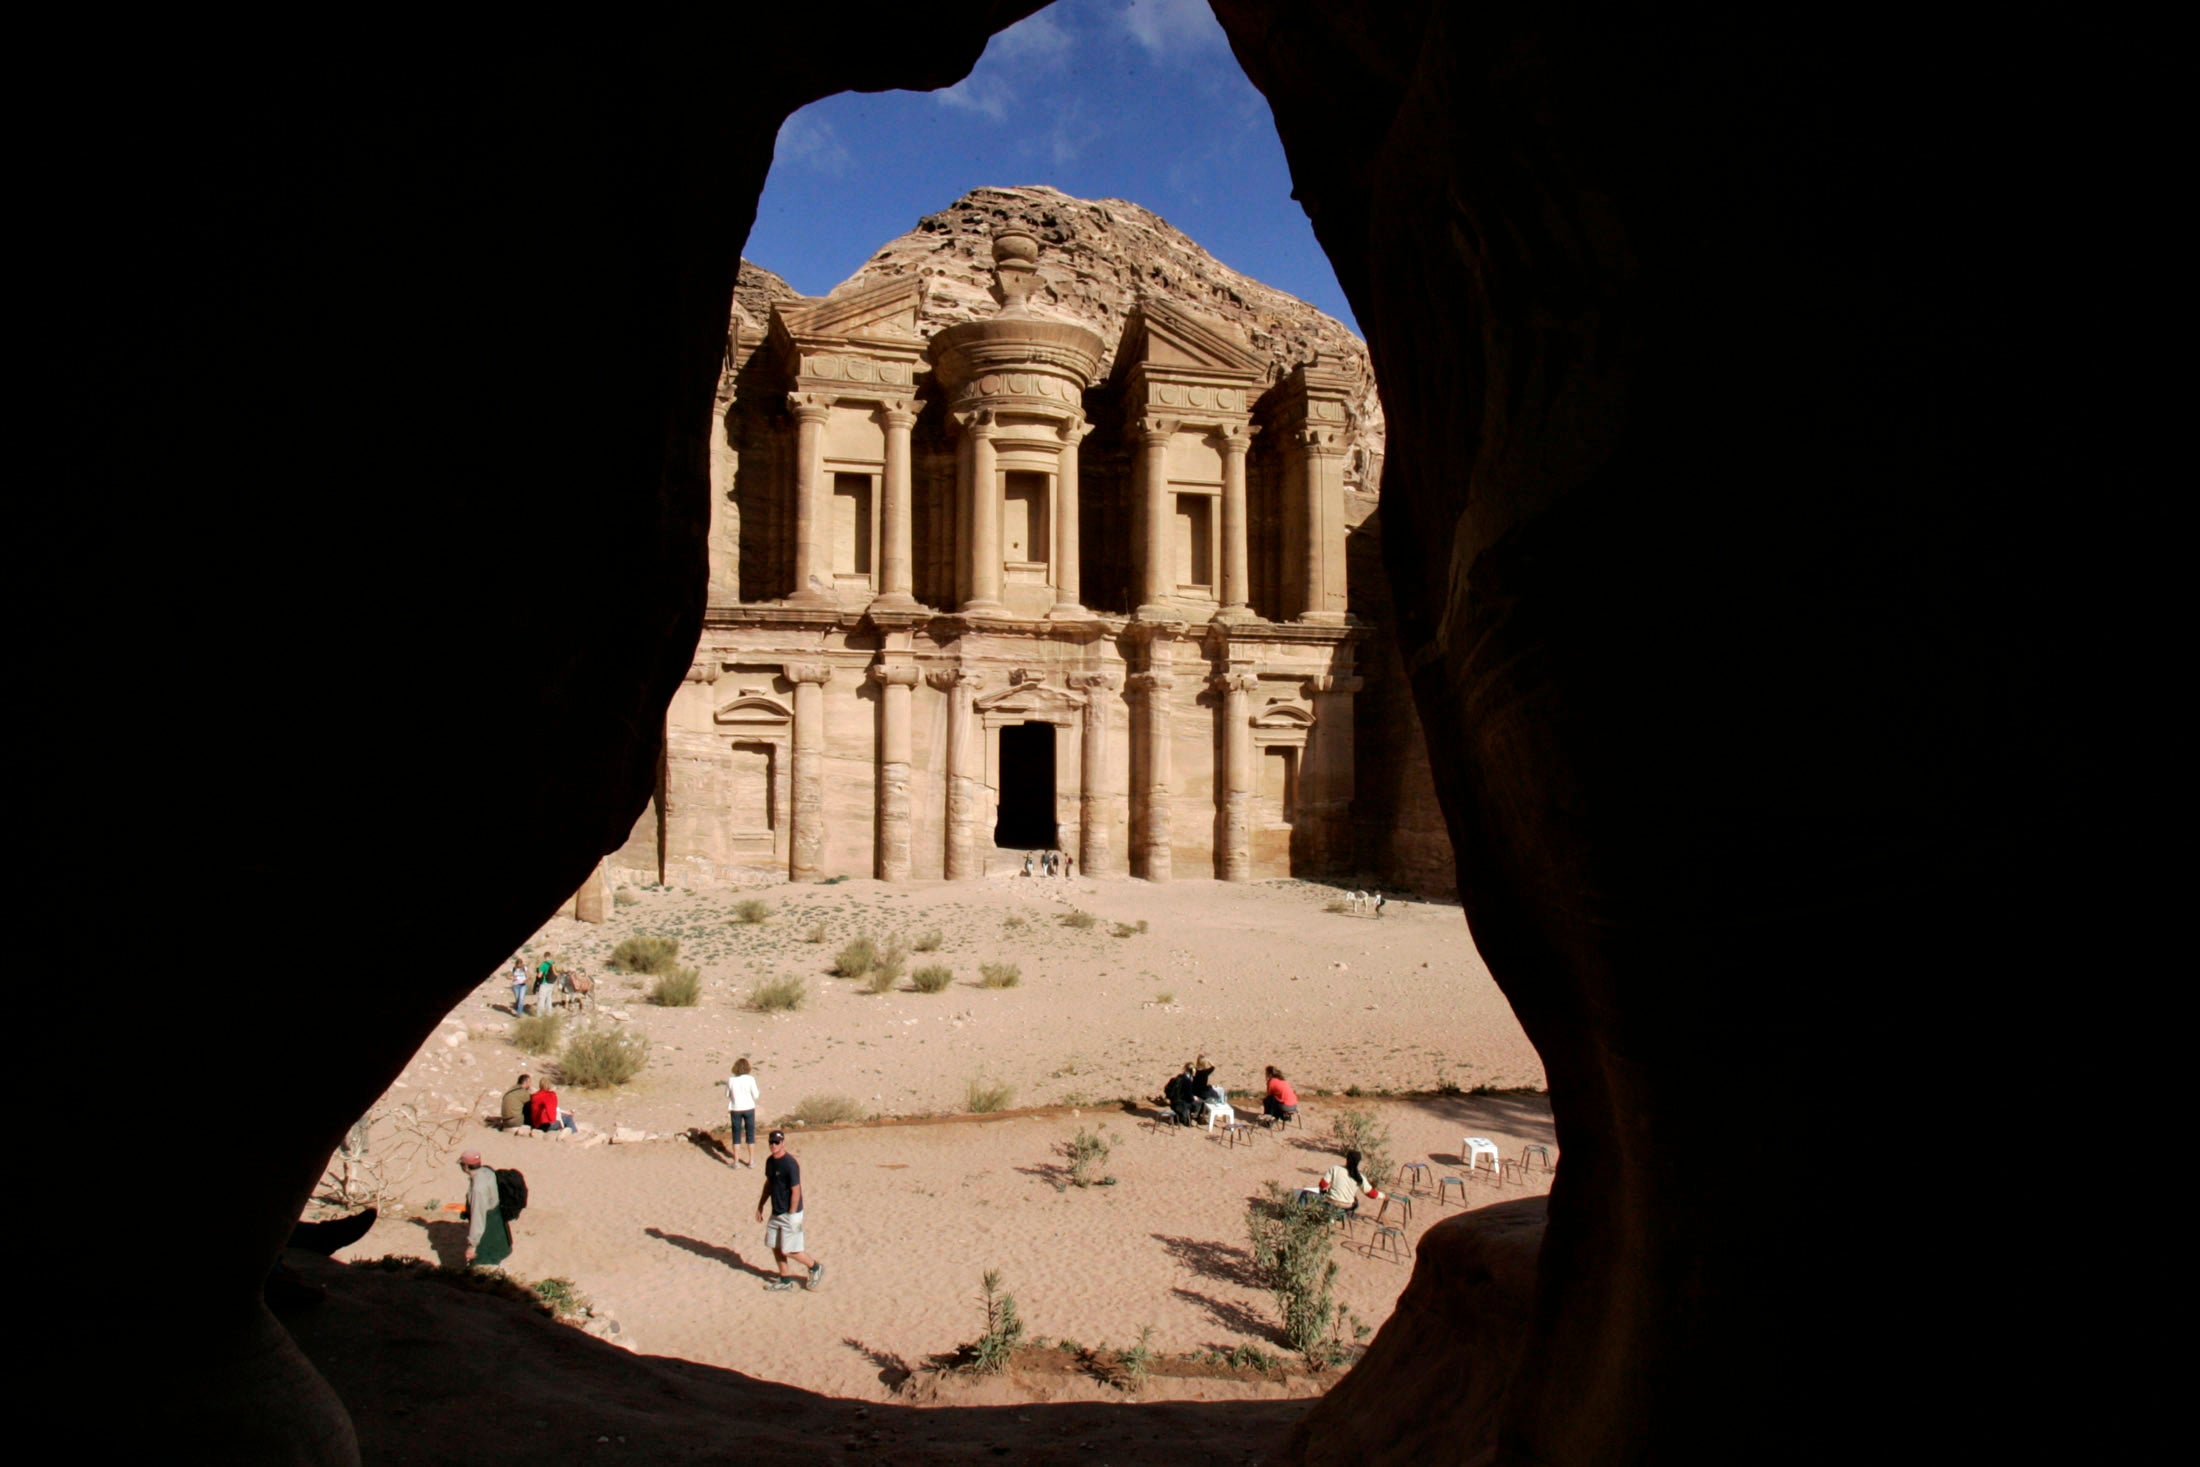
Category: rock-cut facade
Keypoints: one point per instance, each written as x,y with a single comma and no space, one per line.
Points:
1013,586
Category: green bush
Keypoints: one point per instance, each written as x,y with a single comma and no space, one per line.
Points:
1351,1129
815,934
646,954
678,988
1164,999
538,1033
1338,906
623,898
932,977
783,994
563,1296
880,981
599,1056
856,958
1004,1331
751,912
893,961
827,1110
1130,929
1291,1246
1136,1363
999,975
1013,924
1079,920
1084,1151
930,942
983,1097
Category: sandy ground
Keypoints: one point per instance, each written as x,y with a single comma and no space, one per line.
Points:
908,1213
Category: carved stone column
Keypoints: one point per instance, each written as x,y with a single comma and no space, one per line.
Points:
895,679
813,519
1328,782
1095,849
806,829
983,498
1157,516
1236,577
1234,790
1150,857
1067,588
896,572
965,771
1322,514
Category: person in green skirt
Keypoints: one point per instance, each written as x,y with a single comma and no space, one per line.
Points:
488,1236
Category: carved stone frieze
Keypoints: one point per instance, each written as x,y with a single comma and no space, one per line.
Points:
809,672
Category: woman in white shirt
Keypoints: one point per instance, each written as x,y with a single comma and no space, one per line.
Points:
741,1095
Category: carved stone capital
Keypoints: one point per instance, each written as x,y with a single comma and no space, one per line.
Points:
810,407
1073,431
1332,683
1235,438
1155,432
894,674
1027,677
947,679
898,412
809,672
977,422
1104,681
1233,682
1323,442
1152,682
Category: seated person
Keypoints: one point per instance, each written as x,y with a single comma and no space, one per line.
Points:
515,1106
1282,1102
1342,1187
543,1113
1178,1095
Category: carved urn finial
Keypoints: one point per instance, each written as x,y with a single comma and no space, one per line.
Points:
1015,267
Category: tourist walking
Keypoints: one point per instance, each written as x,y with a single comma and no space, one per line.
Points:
519,986
783,1234
488,1236
741,1094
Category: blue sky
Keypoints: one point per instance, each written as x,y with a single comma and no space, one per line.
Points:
1127,99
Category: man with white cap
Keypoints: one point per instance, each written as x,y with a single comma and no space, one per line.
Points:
488,1236
783,1234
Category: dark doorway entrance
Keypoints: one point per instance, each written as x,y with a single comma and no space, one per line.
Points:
1027,786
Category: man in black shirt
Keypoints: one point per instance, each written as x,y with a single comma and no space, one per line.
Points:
783,1234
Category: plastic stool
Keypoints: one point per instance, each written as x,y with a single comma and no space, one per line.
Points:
1542,1151
1508,1169
1459,1182
1391,1241
1405,1202
1419,1177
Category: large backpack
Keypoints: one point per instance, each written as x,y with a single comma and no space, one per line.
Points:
511,1192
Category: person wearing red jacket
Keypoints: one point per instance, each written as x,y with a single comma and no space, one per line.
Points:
542,1110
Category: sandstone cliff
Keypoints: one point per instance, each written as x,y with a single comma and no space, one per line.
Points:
1098,257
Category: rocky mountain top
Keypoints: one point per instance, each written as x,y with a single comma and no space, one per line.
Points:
1096,257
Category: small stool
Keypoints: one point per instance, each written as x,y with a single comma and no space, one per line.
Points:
1405,1204
1390,1240
1419,1177
1473,1148
1459,1182
1542,1151
1508,1169
1237,1130
1288,1118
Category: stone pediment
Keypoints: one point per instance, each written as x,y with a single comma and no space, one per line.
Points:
1162,337
1284,715
1030,700
754,709
886,309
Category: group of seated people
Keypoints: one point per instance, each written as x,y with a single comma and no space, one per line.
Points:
534,1110
1191,1095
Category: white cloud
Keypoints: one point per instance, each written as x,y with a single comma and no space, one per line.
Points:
1169,29
810,142
1034,46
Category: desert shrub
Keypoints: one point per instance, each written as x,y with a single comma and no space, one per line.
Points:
1351,1129
677,988
1079,920
1164,998
783,994
749,913
1084,1151
563,1296
1136,1363
1013,924
1004,1331
1252,1357
1291,1247
893,961
602,1055
815,934
539,1033
930,941
1000,975
932,977
856,958
982,1096
1338,905
827,1110
646,954
623,898
1130,929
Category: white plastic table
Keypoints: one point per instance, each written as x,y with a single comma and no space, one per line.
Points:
1472,1148
1218,1110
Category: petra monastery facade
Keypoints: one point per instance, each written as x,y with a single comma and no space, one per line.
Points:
976,592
